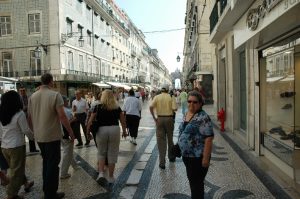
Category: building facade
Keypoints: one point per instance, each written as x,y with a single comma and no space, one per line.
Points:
78,41
257,55
198,69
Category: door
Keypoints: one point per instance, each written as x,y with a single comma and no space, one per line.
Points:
243,92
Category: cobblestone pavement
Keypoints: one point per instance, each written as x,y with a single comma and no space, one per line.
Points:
231,174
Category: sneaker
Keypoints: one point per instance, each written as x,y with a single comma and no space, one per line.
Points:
134,142
101,177
87,143
65,176
111,180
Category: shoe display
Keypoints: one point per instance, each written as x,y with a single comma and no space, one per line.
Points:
28,186
275,129
278,130
287,106
287,94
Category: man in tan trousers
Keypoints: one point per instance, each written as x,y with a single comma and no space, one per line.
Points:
165,107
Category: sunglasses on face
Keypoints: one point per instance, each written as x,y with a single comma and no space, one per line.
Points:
191,101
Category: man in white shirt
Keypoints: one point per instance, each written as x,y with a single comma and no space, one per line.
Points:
80,108
132,108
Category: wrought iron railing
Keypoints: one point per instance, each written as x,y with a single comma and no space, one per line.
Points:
110,12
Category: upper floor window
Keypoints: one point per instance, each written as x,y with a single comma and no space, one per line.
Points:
81,63
34,23
69,26
89,37
7,66
70,60
5,25
79,6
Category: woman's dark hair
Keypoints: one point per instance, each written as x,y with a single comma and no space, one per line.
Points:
11,103
196,94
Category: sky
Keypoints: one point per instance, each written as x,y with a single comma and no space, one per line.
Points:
153,15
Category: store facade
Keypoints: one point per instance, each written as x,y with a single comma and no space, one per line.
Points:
266,49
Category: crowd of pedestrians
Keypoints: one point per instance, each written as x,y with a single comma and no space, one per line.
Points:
54,121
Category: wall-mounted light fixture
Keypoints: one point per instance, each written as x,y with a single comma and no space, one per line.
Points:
65,37
38,51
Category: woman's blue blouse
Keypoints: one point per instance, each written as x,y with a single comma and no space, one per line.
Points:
192,134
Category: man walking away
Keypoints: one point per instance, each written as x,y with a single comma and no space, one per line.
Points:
80,108
165,107
132,108
45,116
24,97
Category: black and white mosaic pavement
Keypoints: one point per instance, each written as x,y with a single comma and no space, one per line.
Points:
231,174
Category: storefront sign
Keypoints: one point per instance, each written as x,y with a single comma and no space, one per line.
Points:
255,14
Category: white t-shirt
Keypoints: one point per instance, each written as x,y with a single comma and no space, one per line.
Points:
132,106
81,105
13,133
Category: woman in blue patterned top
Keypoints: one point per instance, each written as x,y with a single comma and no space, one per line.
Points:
195,141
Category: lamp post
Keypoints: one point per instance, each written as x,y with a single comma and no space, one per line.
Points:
178,58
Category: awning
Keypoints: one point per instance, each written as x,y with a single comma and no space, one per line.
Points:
119,85
101,85
9,79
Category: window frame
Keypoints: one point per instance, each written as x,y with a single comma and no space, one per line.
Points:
34,21
5,24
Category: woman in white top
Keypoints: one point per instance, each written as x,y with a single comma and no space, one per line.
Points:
14,125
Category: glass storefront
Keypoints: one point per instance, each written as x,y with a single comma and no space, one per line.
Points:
280,98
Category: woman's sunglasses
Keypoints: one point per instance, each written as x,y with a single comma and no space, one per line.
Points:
191,101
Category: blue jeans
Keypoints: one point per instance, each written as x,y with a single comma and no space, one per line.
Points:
50,152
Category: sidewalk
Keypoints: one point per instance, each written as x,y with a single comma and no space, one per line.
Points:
138,175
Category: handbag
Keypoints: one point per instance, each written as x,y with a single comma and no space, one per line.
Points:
95,125
176,151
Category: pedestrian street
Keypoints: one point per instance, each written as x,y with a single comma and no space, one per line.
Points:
138,175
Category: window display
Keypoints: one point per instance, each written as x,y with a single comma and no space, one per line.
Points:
279,97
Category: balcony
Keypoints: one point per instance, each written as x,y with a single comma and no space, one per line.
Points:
214,17
224,15
109,12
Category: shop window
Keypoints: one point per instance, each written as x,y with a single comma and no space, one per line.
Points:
279,102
